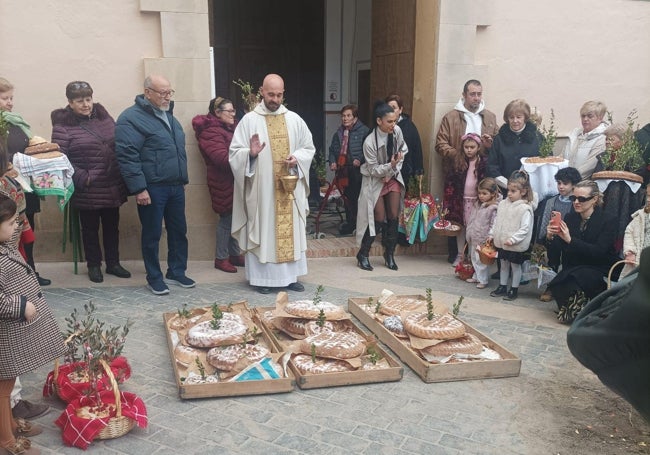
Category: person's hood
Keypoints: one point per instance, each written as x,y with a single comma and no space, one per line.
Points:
600,129
202,122
66,116
461,107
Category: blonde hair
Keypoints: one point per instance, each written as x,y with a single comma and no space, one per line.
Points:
5,85
518,106
617,129
595,107
522,180
593,190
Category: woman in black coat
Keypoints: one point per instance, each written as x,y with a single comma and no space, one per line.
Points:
517,138
586,237
85,132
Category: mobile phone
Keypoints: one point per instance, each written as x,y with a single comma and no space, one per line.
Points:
556,217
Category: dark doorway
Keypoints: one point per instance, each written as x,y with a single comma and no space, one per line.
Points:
252,38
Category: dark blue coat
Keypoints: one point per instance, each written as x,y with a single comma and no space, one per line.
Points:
149,152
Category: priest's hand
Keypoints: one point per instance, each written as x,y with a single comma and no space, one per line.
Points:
291,161
255,145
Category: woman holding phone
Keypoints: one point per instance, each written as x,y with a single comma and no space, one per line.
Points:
586,242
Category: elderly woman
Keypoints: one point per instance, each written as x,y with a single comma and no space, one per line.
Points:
382,189
586,239
214,133
85,132
619,199
517,138
346,158
587,143
18,138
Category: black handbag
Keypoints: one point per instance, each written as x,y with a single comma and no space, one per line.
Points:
611,337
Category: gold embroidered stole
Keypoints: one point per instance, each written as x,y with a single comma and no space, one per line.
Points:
279,141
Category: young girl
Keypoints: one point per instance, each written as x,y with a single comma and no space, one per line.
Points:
512,232
460,190
479,226
637,235
29,335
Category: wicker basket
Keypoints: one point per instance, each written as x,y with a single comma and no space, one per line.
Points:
611,271
487,253
117,425
617,175
464,269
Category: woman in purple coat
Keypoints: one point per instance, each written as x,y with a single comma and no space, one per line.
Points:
85,132
214,132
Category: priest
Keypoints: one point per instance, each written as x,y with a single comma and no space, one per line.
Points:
269,221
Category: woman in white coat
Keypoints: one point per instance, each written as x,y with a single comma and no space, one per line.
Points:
382,187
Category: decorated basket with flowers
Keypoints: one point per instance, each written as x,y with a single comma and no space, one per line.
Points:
86,338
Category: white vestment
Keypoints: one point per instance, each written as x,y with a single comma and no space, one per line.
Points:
253,214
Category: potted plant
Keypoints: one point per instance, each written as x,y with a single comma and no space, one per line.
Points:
621,162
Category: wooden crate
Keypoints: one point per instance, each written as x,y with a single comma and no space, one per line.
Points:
509,365
314,381
228,389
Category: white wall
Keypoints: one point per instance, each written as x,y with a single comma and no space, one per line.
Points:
558,54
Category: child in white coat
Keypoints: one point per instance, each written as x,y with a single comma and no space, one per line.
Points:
512,232
637,235
479,226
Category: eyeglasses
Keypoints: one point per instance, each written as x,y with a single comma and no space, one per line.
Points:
581,199
230,111
165,94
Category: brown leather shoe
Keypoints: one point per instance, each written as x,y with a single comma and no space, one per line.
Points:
27,410
225,265
238,261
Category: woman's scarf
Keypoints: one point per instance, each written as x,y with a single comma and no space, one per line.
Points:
17,120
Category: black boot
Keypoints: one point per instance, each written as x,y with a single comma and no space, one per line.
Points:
512,294
364,251
499,291
389,246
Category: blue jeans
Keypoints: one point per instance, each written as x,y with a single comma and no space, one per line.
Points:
168,203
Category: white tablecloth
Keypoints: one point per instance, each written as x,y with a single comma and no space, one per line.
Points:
542,176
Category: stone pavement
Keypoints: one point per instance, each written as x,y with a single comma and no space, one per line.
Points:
493,416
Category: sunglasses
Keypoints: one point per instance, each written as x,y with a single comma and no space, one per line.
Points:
580,199
79,85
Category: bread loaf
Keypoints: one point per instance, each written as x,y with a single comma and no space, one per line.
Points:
441,327
225,358
306,365
231,331
308,310
335,345
467,344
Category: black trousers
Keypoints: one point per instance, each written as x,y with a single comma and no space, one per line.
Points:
110,221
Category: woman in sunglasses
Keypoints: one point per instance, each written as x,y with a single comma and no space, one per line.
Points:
586,237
